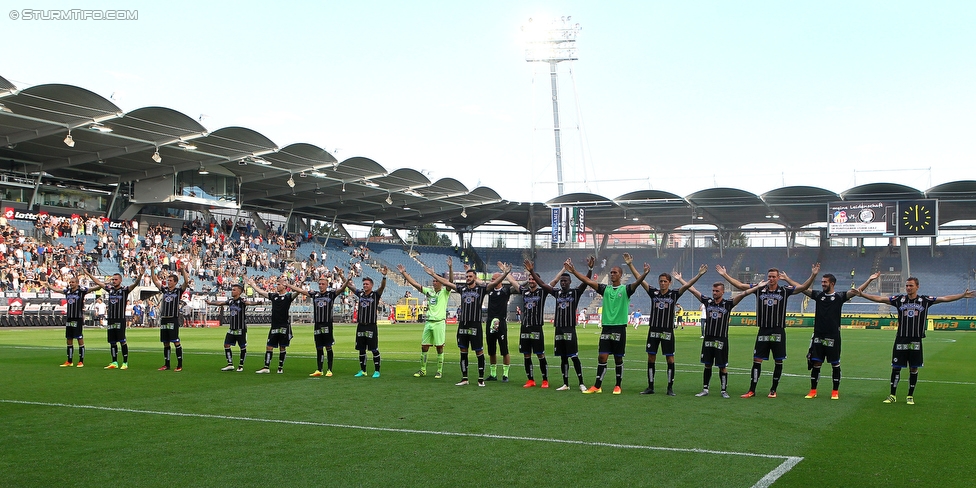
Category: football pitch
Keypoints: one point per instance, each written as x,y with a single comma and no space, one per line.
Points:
204,427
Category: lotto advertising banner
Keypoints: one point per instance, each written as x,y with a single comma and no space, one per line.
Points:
11,213
867,218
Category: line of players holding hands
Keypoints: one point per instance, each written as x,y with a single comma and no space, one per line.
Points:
772,297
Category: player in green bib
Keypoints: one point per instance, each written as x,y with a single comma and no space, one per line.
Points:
435,330
616,311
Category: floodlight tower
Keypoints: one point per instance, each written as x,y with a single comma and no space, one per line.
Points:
552,43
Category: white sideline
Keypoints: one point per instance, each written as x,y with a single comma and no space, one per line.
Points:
788,461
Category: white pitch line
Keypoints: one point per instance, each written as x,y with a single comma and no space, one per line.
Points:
775,474
772,476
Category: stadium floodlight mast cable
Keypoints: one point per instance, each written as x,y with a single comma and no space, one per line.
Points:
552,43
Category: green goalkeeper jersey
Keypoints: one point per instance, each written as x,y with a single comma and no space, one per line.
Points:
437,303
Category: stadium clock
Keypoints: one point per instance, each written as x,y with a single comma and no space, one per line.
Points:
917,218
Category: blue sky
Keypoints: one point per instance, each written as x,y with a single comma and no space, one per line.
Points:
676,96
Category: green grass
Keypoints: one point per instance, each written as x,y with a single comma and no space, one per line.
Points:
318,437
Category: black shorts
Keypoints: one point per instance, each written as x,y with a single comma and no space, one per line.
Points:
663,338
532,340
279,337
74,329
367,337
236,337
169,331
323,336
907,353
470,336
770,342
566,343
613,340
116,332
498,340
715,350
825,350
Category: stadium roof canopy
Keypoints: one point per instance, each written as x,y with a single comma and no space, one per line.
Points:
107,147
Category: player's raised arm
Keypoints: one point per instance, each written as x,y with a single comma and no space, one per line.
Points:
506,272
732,281
685,286
873,298
814,271
444,281
257,289
590,261
383,271
864,286
410,280
530,268
155,279
346,282
640,279
691,288
555,279
568,265
783,276
99,284
629,261
951,298
186,277
738,298
296,289
135,282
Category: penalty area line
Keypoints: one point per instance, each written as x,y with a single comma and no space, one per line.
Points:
788,461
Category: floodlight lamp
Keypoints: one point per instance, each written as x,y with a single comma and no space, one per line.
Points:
343,187
389,199
203,171
464,213
156,157
291,181
187,146
68,140
3,108
100,128
302,174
